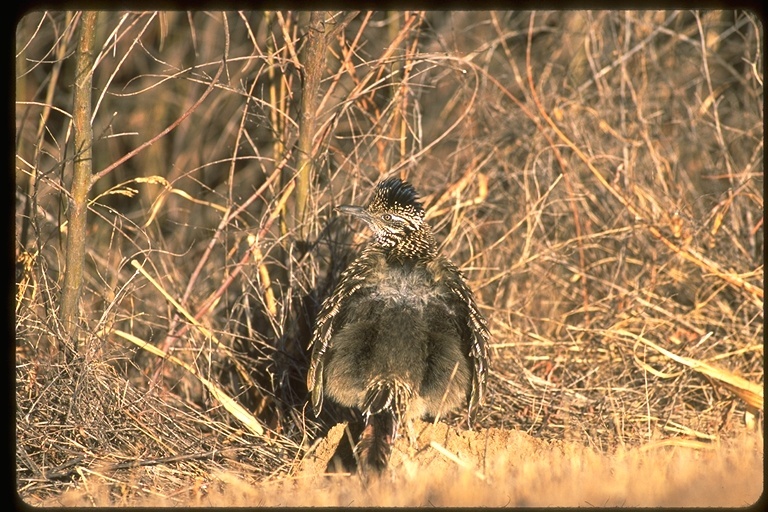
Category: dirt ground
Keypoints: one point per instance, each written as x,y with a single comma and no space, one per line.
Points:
493,467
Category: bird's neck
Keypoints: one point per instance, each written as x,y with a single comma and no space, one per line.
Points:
416,246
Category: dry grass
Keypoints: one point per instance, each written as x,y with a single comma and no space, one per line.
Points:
495,468
597,175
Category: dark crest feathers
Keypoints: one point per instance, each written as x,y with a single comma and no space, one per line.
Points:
394,193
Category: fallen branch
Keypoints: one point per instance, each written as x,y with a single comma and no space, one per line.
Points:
229,403
748,391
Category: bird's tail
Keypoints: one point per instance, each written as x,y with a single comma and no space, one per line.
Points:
383,409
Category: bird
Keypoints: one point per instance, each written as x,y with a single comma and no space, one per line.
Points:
401,336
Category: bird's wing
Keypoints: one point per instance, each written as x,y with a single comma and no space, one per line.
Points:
351,280
473,327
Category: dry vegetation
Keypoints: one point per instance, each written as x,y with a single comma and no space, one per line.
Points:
597,175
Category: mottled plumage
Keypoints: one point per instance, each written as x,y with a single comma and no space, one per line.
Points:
401,336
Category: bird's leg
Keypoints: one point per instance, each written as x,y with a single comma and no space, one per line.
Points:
411,434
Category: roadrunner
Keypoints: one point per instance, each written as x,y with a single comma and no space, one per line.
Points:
401,336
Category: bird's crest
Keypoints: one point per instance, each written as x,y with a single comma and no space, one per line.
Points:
396,195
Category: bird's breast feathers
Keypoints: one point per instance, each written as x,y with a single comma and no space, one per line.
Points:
411,288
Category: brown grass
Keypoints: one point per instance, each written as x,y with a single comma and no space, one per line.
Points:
598,175
492,467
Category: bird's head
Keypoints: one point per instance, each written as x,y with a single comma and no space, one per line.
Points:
396,217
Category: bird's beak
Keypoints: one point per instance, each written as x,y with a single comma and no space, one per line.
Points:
357,211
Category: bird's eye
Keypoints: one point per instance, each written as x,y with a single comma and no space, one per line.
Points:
387,217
